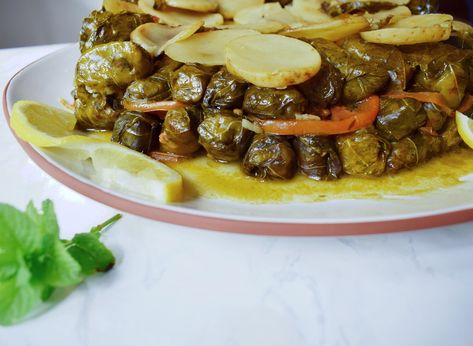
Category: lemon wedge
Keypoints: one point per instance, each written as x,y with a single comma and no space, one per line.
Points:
465,128
44,126
109,164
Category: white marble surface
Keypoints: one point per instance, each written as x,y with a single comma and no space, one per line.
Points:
179,286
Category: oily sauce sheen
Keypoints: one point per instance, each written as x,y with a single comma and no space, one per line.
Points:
206,178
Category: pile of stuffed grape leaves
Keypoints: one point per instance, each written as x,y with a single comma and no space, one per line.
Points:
319,88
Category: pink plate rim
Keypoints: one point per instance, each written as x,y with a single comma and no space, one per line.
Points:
231,225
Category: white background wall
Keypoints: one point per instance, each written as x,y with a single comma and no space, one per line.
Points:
33,22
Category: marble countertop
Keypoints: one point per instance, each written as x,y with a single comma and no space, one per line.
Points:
179,286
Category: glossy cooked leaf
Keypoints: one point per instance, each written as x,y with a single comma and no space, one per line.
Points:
386,55
428,145
153,88
225,91
188,84
95,111
363,79
91,254
325,88
274,103
337,7
332,53
223,137
424,6
270,157
435,116
399,118
317,157
363,152
404,154
103,27
451,137
441,68
179,132
137,131
109,68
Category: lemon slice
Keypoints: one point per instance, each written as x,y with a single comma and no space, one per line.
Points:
465,128
44,126
108,164
118,168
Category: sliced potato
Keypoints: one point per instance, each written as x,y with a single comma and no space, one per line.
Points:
333,31
272,61
207,48
117,6
228,8
264,26
272,11
461,27
393,15
424,20
395,2
407,36
154,38
175,17
308,11
194,5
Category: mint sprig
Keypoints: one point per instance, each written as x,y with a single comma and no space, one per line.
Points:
34,261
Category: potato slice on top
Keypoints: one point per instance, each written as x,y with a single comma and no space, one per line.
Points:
413,30
264,27
228,8
154,38
194,5
272,61
384,17
267,12
117,6
308,11
424,20
207,48
407,36
175,17
333,30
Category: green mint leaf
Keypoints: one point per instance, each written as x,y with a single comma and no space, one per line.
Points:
46,223
49,220
17,299
8,264
34,261
92,255
55,266
59,268
17,231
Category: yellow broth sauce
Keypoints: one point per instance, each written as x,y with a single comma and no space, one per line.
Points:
206,178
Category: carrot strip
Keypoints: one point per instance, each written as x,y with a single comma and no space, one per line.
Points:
467,103
424,96
347,121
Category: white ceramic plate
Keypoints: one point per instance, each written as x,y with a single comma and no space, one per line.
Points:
50,78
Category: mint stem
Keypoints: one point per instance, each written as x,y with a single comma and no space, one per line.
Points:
99,228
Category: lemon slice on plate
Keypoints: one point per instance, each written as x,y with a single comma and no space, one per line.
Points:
44,126
465,128
109,164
